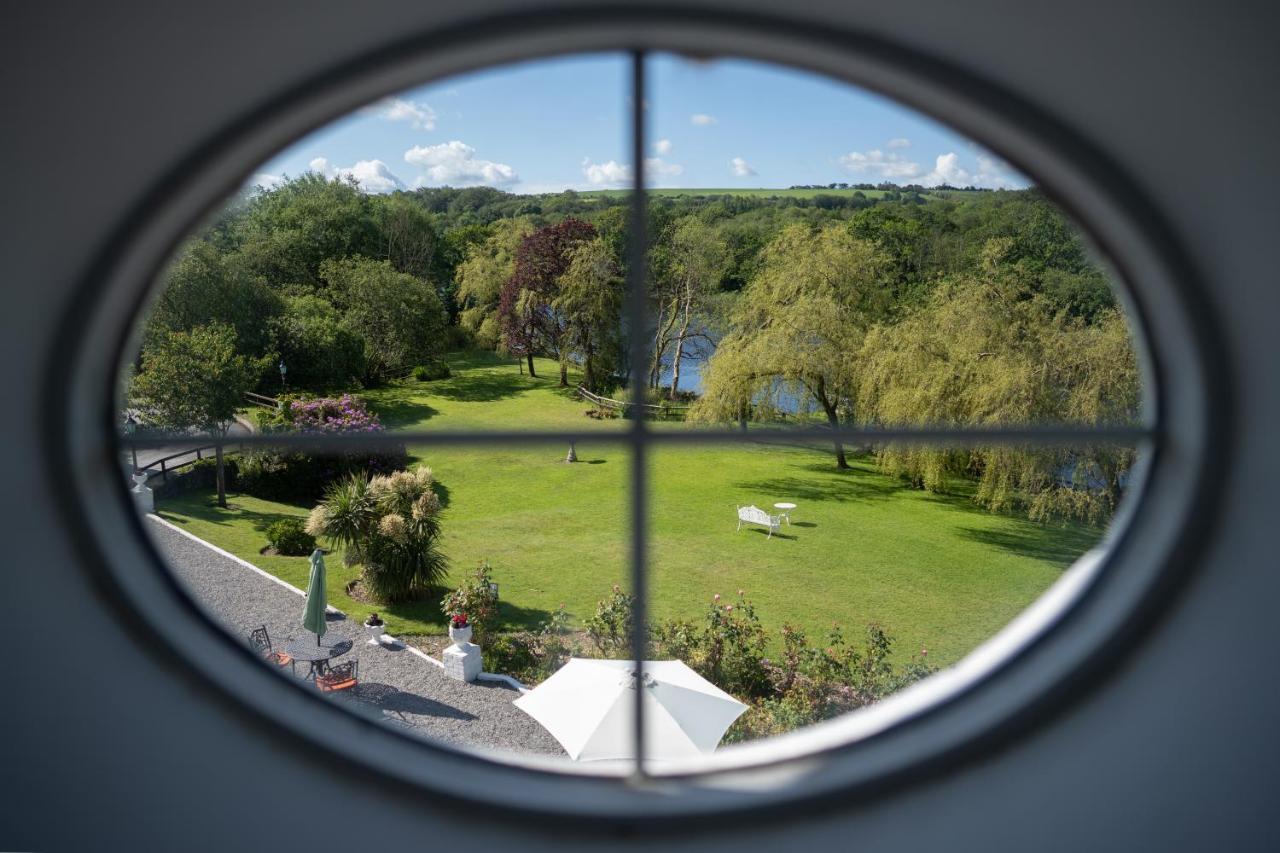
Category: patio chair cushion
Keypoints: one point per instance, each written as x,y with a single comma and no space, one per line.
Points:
329,686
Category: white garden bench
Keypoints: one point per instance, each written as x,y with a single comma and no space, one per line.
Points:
755,515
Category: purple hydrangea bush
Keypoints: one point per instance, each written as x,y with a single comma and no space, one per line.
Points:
345,414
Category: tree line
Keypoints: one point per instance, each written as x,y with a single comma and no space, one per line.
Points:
951,309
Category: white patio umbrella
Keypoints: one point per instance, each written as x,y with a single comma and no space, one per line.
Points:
589,706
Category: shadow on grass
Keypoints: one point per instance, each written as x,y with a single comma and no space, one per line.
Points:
765,533
442,492
396,701
487,386
825,484
209,512
397,411
1052,544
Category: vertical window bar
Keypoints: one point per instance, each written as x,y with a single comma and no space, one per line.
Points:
637,327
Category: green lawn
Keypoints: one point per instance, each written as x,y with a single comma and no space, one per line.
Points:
487,392
934,571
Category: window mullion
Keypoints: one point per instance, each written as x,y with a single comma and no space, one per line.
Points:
637,327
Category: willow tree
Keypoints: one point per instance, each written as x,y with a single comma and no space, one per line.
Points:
695,259
589,296
798,326
990,349
488,266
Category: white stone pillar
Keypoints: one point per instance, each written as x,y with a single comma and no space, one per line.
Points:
462,661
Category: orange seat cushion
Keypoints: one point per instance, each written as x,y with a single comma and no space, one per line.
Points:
327,686
280,658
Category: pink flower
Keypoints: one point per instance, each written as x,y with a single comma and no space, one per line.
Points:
717,597
728,608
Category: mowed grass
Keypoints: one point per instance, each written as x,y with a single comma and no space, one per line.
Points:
487,392
935,572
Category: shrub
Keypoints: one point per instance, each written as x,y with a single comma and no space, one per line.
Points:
475,598
302,478
344,414
391,525
533,656
610,628
512,654
290,538
431,372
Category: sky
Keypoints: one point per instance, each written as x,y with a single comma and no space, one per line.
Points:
559,124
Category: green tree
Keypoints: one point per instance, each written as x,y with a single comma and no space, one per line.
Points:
399,317
695,258
195,380
991,349
488,266
288,232
407,233
321,353
589,296
204,286
798,325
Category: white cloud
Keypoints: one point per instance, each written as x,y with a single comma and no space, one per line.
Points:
656,167
267,182
420,115
610,174
373,176
662,147
992,173
741,168
702,119
455,163
615,174
879,164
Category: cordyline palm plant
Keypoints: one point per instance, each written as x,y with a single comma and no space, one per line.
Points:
391,525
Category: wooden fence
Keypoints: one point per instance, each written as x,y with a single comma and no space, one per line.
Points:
658,410
262,400
164,465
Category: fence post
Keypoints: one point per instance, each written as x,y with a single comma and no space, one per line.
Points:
198,451
164,473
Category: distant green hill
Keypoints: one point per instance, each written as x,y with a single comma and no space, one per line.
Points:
764,192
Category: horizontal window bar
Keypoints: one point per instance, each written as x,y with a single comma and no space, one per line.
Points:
956,436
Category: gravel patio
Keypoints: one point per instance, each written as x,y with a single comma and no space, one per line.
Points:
406,689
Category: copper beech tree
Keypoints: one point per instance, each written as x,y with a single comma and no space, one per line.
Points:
530,323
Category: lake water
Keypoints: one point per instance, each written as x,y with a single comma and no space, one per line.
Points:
691,366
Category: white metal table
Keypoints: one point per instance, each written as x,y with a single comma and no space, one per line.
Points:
784,510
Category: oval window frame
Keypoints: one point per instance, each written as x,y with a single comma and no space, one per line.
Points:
1059,649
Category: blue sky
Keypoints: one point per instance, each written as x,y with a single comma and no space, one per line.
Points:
554,124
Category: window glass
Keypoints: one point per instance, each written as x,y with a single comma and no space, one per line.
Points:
442,420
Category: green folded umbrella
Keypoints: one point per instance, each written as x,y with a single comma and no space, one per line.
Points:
313,616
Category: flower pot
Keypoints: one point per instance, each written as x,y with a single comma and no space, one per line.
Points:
460,636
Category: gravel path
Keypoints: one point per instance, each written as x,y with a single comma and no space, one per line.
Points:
404,687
